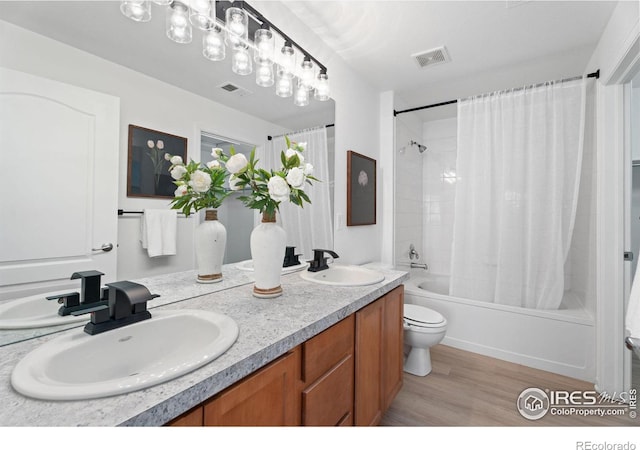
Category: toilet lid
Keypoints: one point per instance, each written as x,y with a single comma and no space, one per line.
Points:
421,316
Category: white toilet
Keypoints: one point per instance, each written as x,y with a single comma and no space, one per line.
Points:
423,328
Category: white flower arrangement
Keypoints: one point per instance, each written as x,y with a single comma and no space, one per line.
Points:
270,188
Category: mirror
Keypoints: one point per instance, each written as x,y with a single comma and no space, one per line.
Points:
238,220
161,85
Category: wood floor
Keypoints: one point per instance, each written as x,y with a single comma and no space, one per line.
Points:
467,389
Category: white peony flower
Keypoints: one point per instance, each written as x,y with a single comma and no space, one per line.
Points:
302,145
214,164
200,181
182,189
308,169
296,178
237,163
216,152
234,184
176,160
167,157
178,172
150,144
291,152
160,145
278,188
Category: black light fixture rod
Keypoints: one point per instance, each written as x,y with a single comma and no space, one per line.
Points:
595,75
261,18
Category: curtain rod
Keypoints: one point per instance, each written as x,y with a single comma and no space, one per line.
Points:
269,138
595,74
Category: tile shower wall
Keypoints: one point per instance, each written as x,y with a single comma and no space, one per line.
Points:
438,192
409,185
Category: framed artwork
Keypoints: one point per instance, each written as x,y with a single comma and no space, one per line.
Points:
361,189
147,170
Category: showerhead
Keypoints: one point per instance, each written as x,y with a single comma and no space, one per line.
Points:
421,148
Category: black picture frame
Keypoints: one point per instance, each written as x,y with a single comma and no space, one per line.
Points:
361,189
147,169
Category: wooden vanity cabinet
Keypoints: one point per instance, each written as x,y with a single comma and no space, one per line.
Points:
378,356
265,398
327,376
347,375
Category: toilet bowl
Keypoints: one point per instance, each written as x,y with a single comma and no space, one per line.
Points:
423,328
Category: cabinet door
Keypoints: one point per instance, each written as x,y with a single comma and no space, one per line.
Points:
368,370
266,398
392,341
329,401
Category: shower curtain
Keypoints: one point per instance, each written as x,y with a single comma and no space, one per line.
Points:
311,226
518,168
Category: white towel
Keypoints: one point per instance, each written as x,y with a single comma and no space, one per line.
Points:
158,232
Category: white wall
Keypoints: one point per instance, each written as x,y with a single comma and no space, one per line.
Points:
146,102
616,54
409,187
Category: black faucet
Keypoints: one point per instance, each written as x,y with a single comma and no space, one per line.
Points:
126,304
90,295
290,257
319,261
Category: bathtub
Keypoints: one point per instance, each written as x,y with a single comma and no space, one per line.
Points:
560,341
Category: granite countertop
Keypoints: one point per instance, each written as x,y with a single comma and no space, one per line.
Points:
268,329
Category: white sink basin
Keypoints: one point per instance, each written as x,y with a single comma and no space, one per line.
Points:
77,366
34,311
338,275
248,267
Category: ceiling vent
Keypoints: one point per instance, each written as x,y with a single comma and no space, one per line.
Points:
235,89
431,57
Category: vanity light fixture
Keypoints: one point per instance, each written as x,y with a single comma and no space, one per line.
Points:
242,29
137,10
178,23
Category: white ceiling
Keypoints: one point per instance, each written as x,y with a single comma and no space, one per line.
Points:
493,45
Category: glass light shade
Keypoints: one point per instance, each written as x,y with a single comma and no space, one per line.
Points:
213,44
137,10
323,92
263,39
302,96
201,13
306,75
287,59
284,84
162,2
178,25
241,62
264,73
237,24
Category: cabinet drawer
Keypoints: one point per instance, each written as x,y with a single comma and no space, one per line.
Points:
325,350
329,401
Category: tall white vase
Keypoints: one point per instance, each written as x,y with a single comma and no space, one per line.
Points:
268,244
210,244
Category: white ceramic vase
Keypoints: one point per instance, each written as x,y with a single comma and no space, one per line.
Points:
268,244
210,244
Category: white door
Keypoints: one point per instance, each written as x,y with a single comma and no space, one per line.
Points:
59,183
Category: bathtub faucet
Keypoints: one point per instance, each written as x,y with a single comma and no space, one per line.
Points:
419,266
